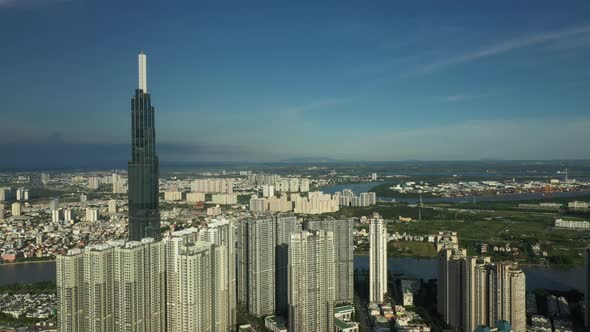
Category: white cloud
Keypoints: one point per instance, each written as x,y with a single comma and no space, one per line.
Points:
465,96
28,3
315,105
505,47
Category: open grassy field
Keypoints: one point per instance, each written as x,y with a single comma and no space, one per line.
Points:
414,249
520,229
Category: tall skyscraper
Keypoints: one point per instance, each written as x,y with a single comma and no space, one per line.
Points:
97,281
476,284
173,245
509,303
196,289
343,255
474,292
256,265
587,288
144,213
450,289
311,281
285,225
222,233
377,259
139,286
70,297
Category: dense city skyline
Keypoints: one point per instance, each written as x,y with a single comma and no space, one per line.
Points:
414,83
337,167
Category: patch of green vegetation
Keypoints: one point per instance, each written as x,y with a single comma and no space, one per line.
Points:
35,259
520,229
244,199
411,249
391,211
42,287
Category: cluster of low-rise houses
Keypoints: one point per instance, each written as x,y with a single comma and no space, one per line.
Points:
557,316
43,228
42,232
401,317
33,306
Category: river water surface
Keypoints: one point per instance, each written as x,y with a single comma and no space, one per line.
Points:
536,277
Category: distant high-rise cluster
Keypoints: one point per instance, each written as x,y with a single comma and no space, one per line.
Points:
94,182
278,183
224,199
213,186
473,291
119,185
316,202
348,198
22,194
91,214
173,196
6,194
272,204
195,197
377,259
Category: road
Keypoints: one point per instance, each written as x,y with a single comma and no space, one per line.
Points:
363,314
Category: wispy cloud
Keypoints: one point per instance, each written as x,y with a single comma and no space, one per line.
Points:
505,47
316,105
465,96
27,3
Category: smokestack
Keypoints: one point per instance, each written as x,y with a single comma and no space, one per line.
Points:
142,64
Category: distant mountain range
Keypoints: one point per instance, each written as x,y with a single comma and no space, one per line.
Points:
310,160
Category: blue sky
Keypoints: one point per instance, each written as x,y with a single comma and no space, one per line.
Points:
271,80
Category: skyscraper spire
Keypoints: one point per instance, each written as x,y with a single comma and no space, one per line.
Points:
142,64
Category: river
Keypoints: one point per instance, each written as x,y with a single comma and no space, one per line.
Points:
536,276
26,273
424,268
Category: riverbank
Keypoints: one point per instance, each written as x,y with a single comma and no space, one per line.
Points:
49,260
557,267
